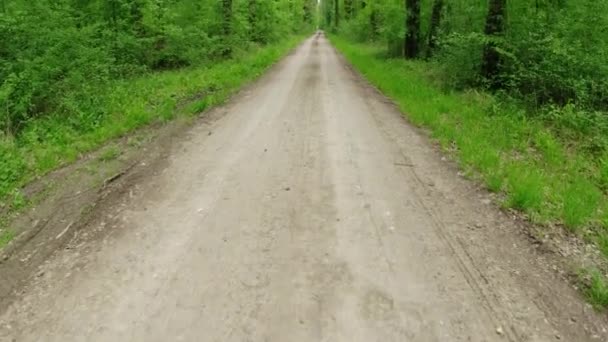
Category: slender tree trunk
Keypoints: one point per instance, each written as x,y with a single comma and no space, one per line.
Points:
337,13
435,24
495,27
412,37
374,23
227,26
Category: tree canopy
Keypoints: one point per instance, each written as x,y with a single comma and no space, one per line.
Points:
546,52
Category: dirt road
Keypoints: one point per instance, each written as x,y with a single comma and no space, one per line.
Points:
309,211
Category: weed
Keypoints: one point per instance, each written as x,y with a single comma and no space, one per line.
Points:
581,200
494,181
136,140
597,289
6,236
110,153
602,243
525,188
19,201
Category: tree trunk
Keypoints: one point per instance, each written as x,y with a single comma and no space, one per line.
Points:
374,23
337,13
495,27
435,24
227,26
412,37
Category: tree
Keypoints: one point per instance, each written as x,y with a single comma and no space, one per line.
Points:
494,28
434,25
412,36
337,13
349,8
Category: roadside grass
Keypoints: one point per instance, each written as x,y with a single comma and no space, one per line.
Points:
550,178
117,109
110,153
5,237
596,290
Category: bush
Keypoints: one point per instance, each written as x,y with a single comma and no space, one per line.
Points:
458,62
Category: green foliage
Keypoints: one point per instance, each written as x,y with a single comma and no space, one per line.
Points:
110,153
526,188
581,201
13,166
551,54
460,68
55,54
6,236
597,289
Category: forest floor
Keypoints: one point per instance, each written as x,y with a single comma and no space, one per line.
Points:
305,209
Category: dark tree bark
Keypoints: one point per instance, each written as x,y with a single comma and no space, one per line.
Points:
435,24
374,22
495,27
412,37
227,26
337,13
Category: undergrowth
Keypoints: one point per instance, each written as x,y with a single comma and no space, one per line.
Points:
543,170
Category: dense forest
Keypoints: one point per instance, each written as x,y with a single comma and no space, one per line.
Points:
53,53
545,52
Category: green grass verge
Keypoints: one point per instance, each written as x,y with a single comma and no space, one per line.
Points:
5,237
548,178
116,109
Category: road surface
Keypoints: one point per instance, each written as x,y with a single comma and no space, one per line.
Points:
309,211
